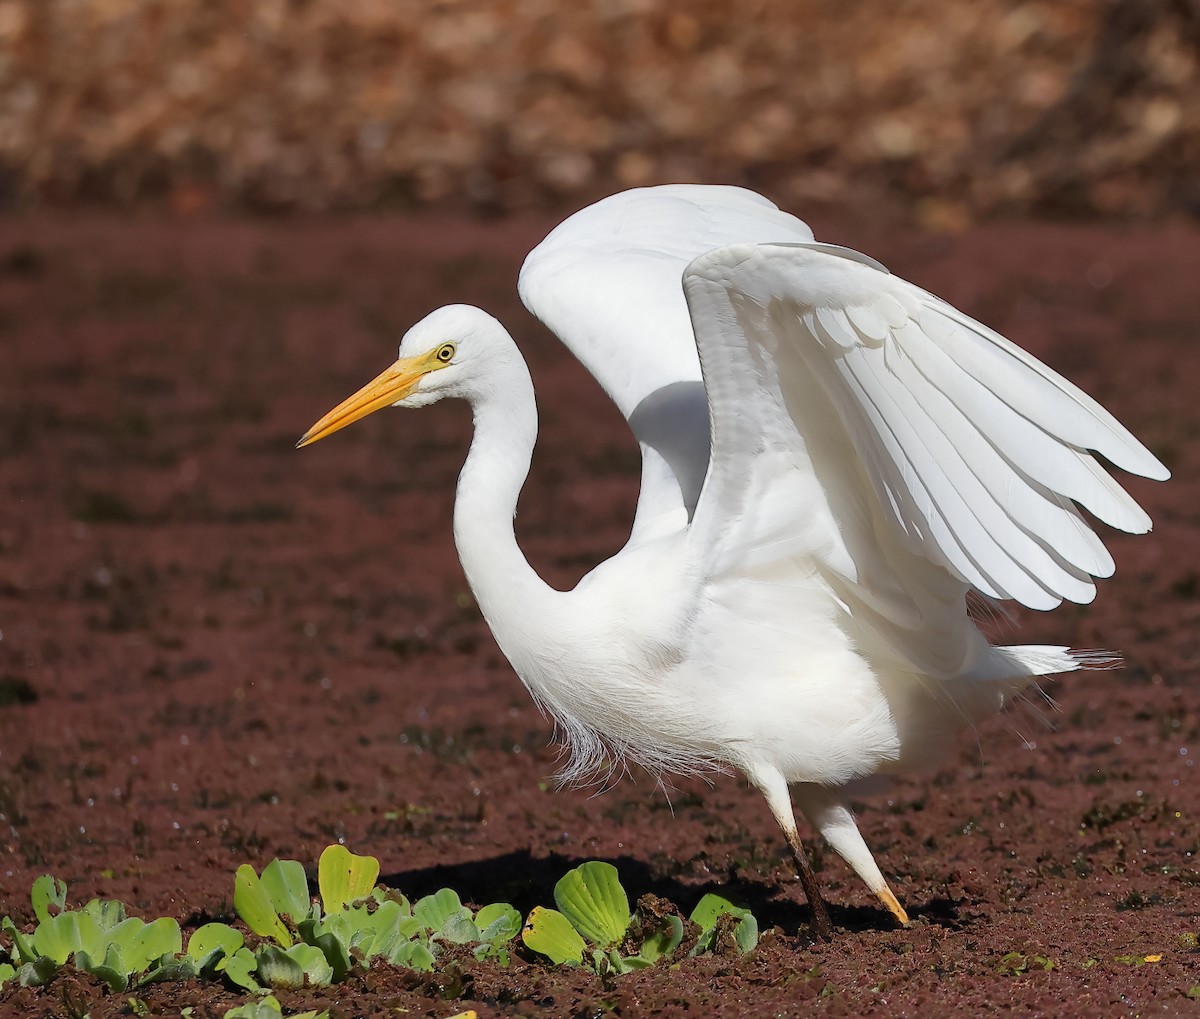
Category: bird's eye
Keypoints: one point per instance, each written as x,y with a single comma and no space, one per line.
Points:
445,352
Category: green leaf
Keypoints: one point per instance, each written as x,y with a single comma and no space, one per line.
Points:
264,1008
122,937
344,878
276,968
170,970
1012,964
745,934
23,948
494,950
352,927
591,897
58,938
459,929
253,905
394,924
93,939
445,915
109,967
413,954
336,955
662,942
318,971
710,909
549,933
47,892
239,969
498,922
269,1008
287,888
212,941
158,938
7,973
34,974
293,967
107,914
613,962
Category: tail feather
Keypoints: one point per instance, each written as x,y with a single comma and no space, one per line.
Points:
1046,660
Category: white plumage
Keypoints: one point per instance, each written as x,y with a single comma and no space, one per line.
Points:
832,459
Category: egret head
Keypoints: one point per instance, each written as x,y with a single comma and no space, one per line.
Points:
446,354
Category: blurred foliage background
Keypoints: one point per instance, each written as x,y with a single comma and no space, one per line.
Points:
939,111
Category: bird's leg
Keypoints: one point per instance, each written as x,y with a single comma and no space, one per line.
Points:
833,819
822,925
774,787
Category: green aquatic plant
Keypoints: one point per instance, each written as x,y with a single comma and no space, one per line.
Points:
591,897
593,922
551,934
355,922
268,1007
344,878
299,940
263,902
99,939
708,914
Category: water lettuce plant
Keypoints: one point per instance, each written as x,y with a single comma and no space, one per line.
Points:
709,915
268,1007
99,939
353,923
593,921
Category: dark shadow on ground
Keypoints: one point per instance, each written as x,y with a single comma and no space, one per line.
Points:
527,881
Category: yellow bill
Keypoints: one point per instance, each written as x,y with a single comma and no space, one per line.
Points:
388,387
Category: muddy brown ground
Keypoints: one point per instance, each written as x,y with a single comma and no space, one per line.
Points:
216,649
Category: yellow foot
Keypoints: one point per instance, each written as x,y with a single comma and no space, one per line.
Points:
893,905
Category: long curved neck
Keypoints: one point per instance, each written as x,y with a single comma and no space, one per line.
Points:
506,587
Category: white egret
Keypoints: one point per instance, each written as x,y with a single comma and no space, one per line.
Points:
832,458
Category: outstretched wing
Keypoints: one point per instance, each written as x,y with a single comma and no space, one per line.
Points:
869,429
607,281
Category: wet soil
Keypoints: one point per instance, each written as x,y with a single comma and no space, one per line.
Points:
216,649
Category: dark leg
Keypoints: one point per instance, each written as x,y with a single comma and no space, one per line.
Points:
774,787
822,925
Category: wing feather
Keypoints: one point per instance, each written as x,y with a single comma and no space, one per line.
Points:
1024,506
607,282
1040,454
962,448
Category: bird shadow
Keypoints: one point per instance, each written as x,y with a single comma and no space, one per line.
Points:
940,912
525,881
